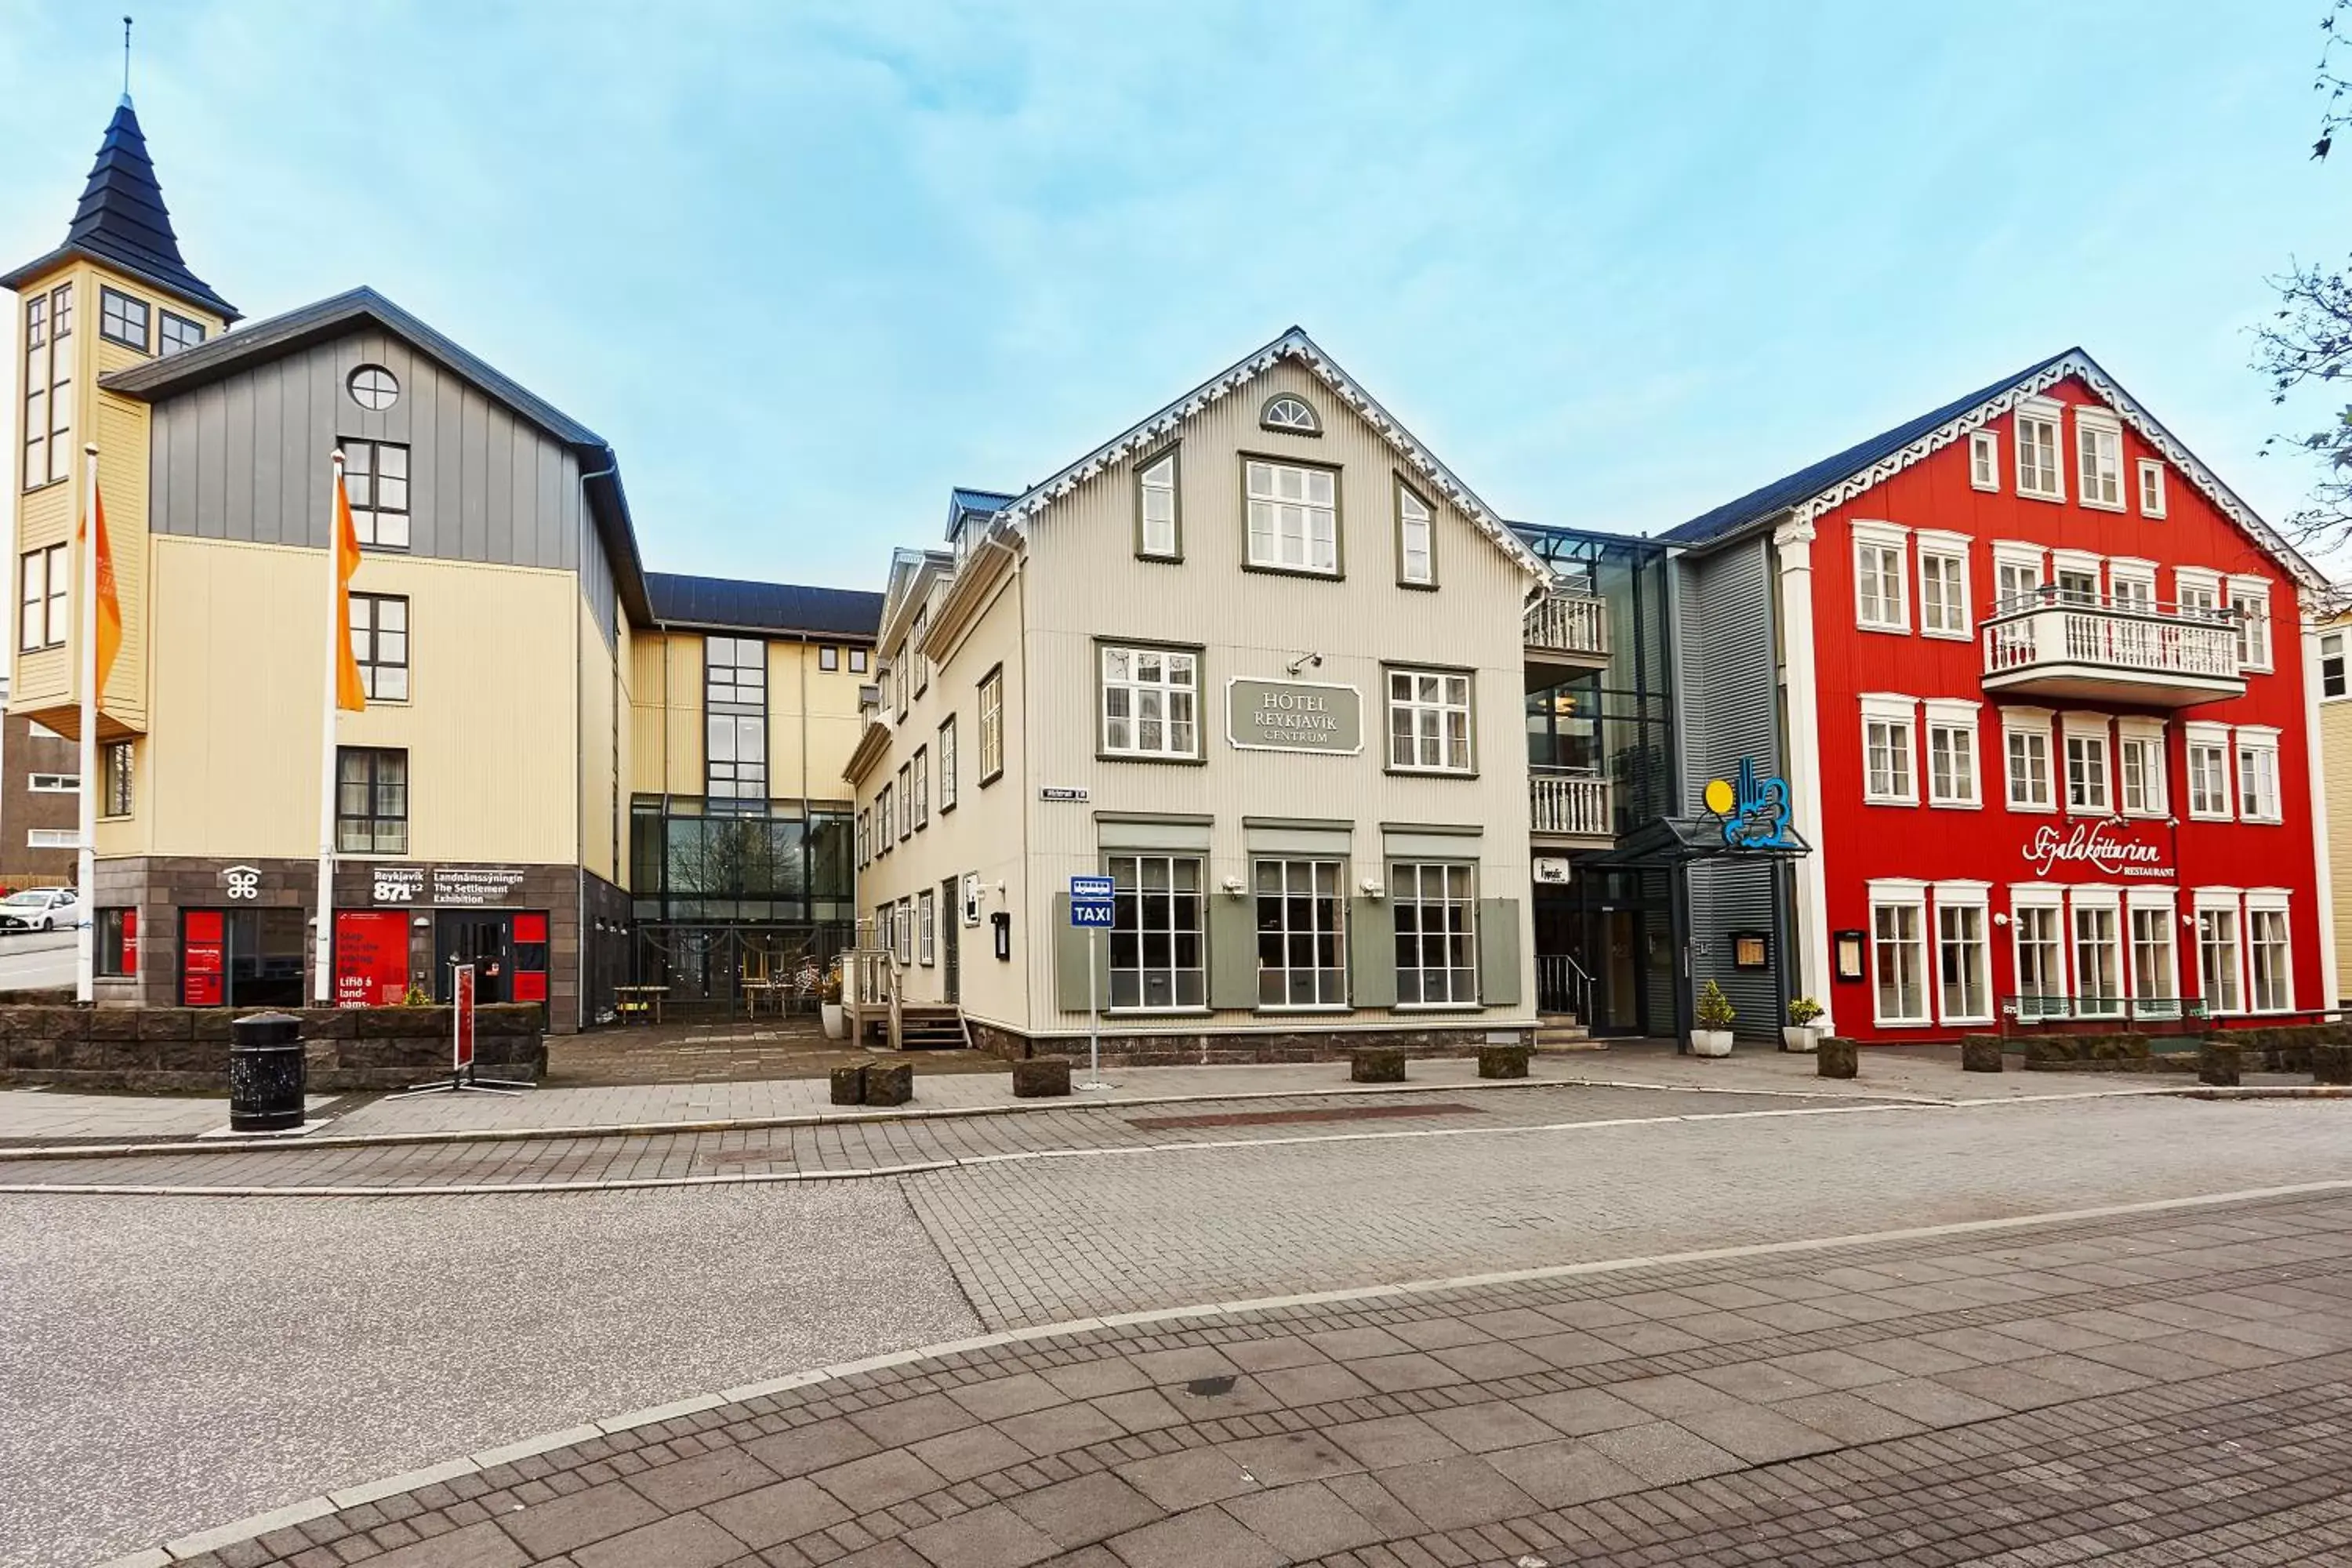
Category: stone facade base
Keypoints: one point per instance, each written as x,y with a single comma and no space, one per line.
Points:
1239,1047
162,1051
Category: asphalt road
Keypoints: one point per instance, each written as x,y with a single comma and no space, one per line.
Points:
36,959
171,1363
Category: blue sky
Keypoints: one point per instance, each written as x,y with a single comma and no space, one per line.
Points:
808,265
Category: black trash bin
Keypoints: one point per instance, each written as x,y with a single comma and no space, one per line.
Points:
266,1073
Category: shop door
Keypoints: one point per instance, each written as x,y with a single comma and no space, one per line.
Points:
1621,979
483,941
950,924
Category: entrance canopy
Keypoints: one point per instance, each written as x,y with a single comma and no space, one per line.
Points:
1666,842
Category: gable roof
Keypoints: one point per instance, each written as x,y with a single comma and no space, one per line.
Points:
1294,344
122,221
1831,482
731,603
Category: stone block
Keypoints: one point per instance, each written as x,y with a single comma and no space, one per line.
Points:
389,1023
60,1023
1041,1078
165,1023
113,1024
2331,1063
192,1057
78,1055
211,1024
849,1086
2050,1050
1376,1064
1980,1053
1836,1057
2114,1047
2217,1064
889,1083
1503,1061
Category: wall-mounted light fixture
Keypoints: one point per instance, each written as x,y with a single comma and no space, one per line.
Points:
1302,662
421,923
1235,886
1372,889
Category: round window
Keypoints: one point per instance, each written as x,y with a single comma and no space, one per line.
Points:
374,388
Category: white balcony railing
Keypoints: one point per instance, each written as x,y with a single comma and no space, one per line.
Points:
1569,623
2132,644
1568,804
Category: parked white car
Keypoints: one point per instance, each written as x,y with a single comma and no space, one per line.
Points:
39,908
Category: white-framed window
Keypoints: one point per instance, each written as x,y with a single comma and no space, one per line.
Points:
921,800
2131,585
1294,517
2251,598
2098,459
2026,745
56,784
45,591
1984,460
2098,953
2196,592
991,726
1963,970
2269,957
907,799
915,650
2332,683
2017,574
52,838
2086,765
864,837
2155,965
1898,952
1156,936
902,679
947,765
1429,721
1150,702
2152,488
884,833
1944,586
2220,966
2076,575
902,922
1416,529
2038,474
1285,412
1302,947
2139,764
1890,743
1880,603
1952,753
1435,908
2258,774
927,927
1158,532
2209,772
2038,948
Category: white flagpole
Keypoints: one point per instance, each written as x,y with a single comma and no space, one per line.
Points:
323,989
86,860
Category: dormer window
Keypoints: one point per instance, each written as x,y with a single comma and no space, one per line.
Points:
374,388
1290,414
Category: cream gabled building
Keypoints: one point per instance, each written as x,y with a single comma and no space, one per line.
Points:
1258,658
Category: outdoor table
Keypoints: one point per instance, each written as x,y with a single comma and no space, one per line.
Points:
640,999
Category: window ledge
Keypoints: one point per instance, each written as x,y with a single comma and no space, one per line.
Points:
1902,631
1956,804
1948,637
1431,772
1890,800
1157,1012
2055,499
2022,810
2113,506
1439,1007
1903,1022
1304,1007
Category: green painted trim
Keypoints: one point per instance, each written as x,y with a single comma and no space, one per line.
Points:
1464,829
1307,824
1162,818
1402,487
1199,756
1172,454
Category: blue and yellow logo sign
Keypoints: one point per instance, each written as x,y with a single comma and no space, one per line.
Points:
1755,811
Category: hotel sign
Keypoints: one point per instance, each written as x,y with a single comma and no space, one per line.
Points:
1294,716
2095,847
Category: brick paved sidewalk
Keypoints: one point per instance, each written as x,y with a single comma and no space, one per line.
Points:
2157,1388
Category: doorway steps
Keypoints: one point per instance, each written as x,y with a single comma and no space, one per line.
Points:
1561,1032
923,1027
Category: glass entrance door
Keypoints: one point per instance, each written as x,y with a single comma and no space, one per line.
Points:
484,940
1622,992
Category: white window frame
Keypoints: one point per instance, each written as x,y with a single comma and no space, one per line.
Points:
1873,541
2268,901
1958,620
1901,894
1146,918
1897,715
2196,591
2164,907
2028,723
2332,651
2210,738
2009,555
2086,563
2143,738
2099,459
2251,597
2221,901
1965,897
1984,460
1955,717
56,784
926,927
1425,719
947,765
2258,742
2038,428
1334,977
2084,734
2043,900
2087,900
1442,919
1416,538
1262,484
1158,537
1169,699
2151,496
2137,575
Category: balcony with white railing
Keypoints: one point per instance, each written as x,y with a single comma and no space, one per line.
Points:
2100,649
1570,807
1565,633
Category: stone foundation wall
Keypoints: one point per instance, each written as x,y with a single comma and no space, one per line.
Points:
151,1050
1233,1048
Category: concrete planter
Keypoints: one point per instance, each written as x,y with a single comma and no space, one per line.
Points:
1711,1042
1801,1037
836,1020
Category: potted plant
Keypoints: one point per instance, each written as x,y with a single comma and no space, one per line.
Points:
836,1019
1712,1038
1803,1032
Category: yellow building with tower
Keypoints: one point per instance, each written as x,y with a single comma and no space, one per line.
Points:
573,771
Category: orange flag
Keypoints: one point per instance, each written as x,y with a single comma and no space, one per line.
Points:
109,608
350,694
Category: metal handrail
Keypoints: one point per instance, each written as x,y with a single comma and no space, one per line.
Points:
1558,974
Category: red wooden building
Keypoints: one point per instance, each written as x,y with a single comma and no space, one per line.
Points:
2045,698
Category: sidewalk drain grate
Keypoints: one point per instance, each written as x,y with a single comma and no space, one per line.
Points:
1321,1114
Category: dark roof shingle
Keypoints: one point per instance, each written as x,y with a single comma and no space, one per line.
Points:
731,603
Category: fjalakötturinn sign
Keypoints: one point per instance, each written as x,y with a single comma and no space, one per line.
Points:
1294,716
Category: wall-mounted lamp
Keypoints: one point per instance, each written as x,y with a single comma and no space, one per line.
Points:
1303,661
421,923
2001,920
1372,889
1235,886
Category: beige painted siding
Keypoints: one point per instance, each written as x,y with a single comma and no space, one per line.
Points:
812,718
2336,765
597,775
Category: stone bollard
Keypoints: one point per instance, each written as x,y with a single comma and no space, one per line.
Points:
2217,1064
2331,1064
1836,1057
1980,1053
1503,1061
1041,1078
266,1073
1376,1064
849,1086
889,1083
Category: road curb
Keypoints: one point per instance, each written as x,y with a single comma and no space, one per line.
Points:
212,1540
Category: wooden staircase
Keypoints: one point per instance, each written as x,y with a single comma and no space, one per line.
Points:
1561,1032
930,1026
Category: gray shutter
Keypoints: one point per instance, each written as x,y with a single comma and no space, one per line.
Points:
1371,953
1069,960
1233,951
1498,951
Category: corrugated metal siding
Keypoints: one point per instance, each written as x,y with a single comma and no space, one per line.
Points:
1732,711
596,583
247,458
